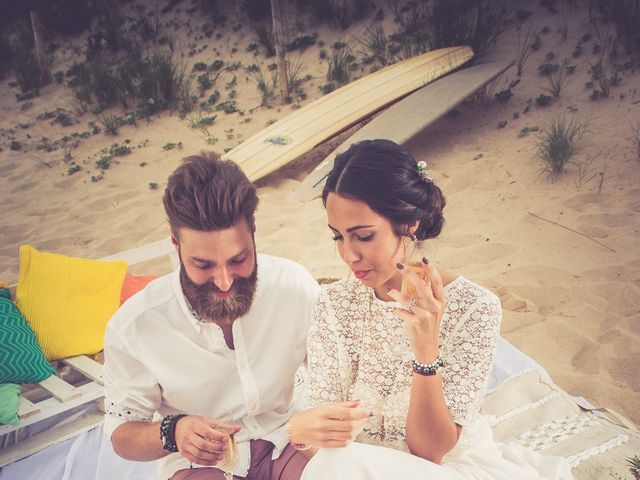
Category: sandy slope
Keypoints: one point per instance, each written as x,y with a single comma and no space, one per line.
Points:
570,302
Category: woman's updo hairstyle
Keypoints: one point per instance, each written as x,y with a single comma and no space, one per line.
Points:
385,177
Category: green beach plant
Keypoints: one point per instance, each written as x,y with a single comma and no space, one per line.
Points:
625,16
376,42
563,24
603,72
523,49
558,142
111,123
341,60
634,466
557,81
294,72
265,86
478,23
340,13
635,139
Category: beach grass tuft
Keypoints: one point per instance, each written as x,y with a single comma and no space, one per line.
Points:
557,81
265,85
376,42
340,13
478,23
523,49
558,142
341,61
635,139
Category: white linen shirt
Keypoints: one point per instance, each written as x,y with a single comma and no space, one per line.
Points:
160,360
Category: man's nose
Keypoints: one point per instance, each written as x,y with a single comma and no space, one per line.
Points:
223,278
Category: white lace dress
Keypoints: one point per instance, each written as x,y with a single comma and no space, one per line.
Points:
358,349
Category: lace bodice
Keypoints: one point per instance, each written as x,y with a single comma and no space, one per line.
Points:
358,349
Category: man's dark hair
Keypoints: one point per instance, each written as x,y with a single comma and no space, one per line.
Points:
207,194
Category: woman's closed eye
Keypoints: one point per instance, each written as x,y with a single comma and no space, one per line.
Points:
364,238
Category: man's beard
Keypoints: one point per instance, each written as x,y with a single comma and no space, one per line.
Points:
211,309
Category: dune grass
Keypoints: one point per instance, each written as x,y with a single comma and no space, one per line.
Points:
557,144
557,81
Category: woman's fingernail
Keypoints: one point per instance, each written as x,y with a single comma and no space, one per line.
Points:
399,266
425,260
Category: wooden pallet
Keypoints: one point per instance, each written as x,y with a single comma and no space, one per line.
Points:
79,382
51,397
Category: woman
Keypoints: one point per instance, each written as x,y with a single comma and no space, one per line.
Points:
393,371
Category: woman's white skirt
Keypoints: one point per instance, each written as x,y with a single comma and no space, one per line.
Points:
476,457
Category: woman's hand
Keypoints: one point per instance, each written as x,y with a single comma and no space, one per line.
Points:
330,426
202,440
422,315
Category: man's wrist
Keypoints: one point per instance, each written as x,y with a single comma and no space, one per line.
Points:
168,432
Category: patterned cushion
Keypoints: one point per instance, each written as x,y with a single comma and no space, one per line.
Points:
9,400
21,359
528,411
68,301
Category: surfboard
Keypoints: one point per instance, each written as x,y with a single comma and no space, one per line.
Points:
300,131
409,116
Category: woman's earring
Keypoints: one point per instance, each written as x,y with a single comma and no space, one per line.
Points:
413,237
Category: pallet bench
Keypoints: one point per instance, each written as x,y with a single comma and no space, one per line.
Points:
79,382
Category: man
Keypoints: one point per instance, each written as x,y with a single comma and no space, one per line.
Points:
212,348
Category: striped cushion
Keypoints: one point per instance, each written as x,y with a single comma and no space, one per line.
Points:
21,359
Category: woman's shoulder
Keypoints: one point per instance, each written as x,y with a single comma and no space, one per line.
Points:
461,288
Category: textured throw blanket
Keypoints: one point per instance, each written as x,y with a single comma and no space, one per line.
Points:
526,410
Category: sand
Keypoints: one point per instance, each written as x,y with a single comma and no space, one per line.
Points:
563,254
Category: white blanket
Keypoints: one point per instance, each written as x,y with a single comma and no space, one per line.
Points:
90,456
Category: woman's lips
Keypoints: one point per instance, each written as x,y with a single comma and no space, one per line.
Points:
361,274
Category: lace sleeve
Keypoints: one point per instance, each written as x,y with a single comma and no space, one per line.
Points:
470,351
328,379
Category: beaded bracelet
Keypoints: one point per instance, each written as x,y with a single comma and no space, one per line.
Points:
298,446
168,432
427,369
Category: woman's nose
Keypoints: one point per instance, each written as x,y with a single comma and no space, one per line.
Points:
350,254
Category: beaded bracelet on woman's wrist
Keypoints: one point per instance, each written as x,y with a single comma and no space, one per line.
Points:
427,369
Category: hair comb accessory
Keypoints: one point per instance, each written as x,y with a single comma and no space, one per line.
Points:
422,171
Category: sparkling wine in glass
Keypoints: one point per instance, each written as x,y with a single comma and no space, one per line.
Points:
230,456
413,261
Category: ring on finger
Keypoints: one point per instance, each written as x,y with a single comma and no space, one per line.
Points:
412,303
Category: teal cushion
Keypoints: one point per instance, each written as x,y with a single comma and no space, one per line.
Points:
9,399
21,358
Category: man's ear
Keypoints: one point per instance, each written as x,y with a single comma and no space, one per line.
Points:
174,240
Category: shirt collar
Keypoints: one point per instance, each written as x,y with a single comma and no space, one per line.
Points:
184,304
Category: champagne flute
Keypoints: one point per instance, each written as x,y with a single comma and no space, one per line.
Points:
416,250
228,460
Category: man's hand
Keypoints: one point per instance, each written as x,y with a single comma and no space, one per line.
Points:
202,440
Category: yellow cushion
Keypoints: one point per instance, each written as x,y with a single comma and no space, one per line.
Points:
67,301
